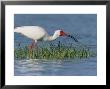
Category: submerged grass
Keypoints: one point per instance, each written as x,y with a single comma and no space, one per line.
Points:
59,51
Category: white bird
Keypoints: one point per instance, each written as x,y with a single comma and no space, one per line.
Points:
37,33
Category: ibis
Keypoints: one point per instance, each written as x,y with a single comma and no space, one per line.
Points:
37,33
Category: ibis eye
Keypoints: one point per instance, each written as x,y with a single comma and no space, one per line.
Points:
62,33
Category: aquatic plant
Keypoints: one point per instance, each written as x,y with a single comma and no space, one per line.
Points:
59,51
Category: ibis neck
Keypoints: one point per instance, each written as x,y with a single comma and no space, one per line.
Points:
50,38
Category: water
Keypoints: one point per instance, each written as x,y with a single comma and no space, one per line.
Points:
56,67
82,26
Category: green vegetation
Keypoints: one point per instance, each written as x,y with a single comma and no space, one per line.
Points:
60,51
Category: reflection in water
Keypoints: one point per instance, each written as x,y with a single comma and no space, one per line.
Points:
83,67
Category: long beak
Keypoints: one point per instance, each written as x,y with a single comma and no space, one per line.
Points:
71,37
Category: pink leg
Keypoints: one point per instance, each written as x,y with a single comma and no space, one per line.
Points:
31,48
32,45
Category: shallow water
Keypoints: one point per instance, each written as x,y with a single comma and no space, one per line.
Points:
82,26
79,67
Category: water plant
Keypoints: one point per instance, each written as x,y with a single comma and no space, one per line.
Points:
59,51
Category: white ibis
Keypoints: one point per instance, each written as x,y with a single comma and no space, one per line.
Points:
37,33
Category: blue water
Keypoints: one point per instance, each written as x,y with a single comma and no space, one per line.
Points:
82,26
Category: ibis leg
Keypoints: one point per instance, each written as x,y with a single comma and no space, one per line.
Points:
31,48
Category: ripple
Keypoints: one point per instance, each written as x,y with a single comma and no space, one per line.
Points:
42,67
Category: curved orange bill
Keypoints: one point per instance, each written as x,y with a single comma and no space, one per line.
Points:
68,35
62,33
72,38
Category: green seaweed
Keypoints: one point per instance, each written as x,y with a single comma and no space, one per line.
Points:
59,51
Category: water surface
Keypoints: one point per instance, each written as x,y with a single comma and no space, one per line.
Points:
79,67
82,26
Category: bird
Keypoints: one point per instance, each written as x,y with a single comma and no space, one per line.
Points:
37,33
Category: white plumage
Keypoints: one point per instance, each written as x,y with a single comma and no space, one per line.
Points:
32,32
38,33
